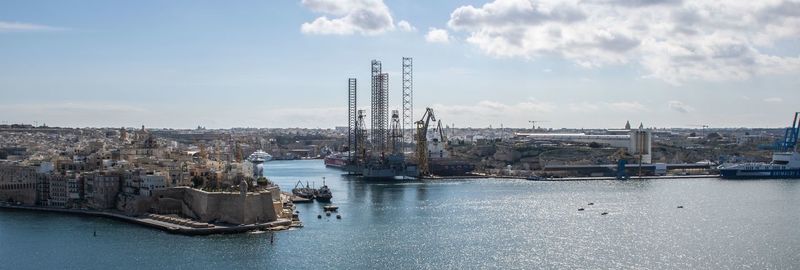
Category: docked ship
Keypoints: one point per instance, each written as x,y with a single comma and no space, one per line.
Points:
784,165
785,160
259,157
305,192
389,167
323,194
336,160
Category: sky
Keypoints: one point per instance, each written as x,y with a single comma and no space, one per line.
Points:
268,64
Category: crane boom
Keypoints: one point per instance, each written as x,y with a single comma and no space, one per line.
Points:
533,123
422,140
442,136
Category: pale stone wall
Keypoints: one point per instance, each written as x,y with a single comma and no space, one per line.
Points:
217,206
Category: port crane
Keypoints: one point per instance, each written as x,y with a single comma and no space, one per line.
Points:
533,123
422,140
442,136
789,142
703,130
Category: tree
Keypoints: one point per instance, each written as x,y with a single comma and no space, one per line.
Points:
198,181
263,181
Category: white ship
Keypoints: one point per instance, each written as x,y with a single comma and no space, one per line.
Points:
259,157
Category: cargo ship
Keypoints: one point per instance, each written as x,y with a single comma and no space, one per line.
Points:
783,165
336,160
785,160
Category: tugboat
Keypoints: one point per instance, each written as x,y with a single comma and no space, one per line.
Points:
303,192
323,194
785,160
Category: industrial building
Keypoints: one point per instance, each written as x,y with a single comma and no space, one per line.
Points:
637,141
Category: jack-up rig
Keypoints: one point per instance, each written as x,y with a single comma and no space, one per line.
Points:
380,152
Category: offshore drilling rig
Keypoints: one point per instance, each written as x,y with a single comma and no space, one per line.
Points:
380,151
380,155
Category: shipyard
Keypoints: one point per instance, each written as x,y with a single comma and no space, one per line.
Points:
387,134
211,181
203,181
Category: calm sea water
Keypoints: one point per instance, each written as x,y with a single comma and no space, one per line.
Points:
508,224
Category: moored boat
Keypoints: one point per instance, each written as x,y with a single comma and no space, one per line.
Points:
259,157
301,191
323,194
337,160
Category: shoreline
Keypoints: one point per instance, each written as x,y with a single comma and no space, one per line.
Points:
565,179
155,224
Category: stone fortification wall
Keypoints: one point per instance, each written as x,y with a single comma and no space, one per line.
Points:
235,208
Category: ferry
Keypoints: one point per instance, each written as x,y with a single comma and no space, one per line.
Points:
259,157
785,160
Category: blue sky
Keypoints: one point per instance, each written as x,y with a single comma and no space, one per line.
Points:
578,63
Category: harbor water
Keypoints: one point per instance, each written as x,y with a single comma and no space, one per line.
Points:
445,224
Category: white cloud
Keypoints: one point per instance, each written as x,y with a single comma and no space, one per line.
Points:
619,106
367,17
491,109
773,99
626,106
672,40
583,107
405,26
679,106
436,35
26,27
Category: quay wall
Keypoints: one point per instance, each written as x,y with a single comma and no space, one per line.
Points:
155,225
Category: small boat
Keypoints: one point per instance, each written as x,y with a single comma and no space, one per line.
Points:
303,192
323,194
331,208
